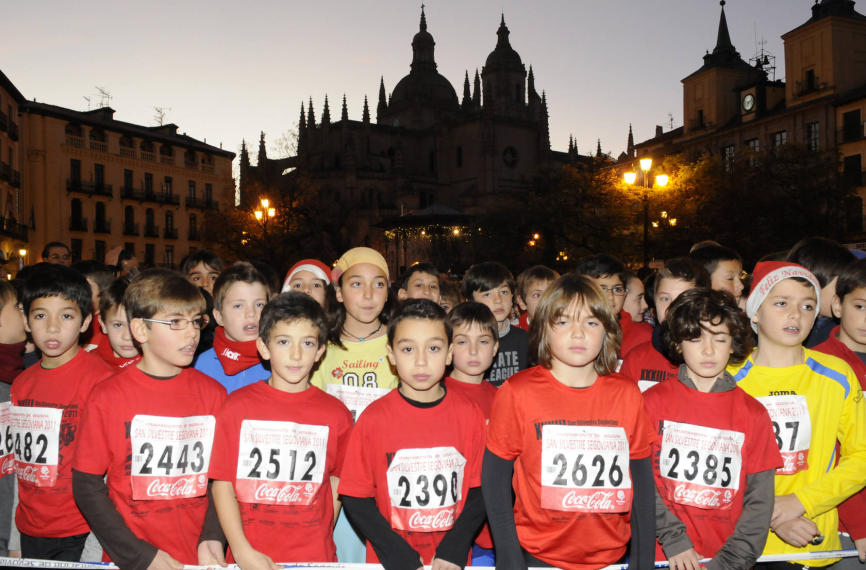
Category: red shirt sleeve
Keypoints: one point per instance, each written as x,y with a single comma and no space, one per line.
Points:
223,463
504,430
93,436
356,476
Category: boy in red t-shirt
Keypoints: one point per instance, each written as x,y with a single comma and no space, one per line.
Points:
716,455
411,478
149,429
48,399
531,284
420,281
118,349
280,445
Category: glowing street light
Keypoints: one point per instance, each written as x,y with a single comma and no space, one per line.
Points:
661,180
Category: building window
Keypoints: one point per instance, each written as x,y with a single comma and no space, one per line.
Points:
854,214
129,247
129,221
193,227
728,156
99,251
208,193
169,255
780,138
75,246
813,133
810,84
167,187
191,189
852,129
754,146
148,183
700,121
100,213
459,156
99,175
169,220
149,254
127,179
75,171
852,172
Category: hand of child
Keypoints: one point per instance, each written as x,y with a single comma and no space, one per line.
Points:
688,560
860,544
798,532
163,561
439,564
252,559
786,508
210,553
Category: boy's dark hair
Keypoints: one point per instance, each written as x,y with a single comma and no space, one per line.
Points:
711,255
293,306
485,276
684,268
52,280
101,274
418,309
449,290
420,267
240,272
112,296
534,273
8,293
601,265
684,318
852,277
205,256
470,313
153,289
51,244
823,257
272,278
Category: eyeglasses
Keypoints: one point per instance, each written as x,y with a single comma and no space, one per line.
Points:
181,324
617,290
59,256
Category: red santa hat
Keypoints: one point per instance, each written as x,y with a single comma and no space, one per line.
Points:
767,274
314,266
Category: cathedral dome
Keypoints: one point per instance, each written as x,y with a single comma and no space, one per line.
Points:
503,57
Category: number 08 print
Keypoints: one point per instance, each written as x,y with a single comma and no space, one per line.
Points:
280,463
425,486
170,456
585,469
33,435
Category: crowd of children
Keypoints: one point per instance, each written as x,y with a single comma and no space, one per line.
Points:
200,417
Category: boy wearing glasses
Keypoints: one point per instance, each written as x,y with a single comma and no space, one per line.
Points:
150,428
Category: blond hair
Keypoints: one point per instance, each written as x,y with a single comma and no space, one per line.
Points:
155,289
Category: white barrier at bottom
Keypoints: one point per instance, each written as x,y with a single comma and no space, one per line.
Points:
33,563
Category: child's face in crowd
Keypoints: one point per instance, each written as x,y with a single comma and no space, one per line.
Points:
827,294
55,324
421,286
116,327
851,312
499,300
363,292
474,347
94,294
635,300
707,355
165,351
293,349
533,294
787,314
241,308
575,338
420,352
307,282
726,277
204,276
667,290
11,323
614,290
447,303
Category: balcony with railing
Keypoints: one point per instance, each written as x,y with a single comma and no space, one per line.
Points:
13,130
100,146
78,224
166,159
170,233
74,140
130,229
128,152
15,178
201,203
146,155
194,234
102,226
151,231
11,228
89,188
207,167
172,199
5,172
4,121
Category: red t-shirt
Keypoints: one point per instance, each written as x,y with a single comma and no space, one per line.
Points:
707,444
106,353
48,509
852,512
523,321
571,449
153,438
280,450
647,366
428,457
633,334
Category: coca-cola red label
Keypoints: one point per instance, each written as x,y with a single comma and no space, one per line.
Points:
33,434
280,463
425,487
700,466
170,456
585,469
792,427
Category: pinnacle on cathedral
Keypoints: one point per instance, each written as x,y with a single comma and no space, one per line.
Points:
311,117
263,154
382,108
598,152
326,112
365,115
467,95
344,115
630,145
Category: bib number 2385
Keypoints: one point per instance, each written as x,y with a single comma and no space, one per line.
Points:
170,456
585,469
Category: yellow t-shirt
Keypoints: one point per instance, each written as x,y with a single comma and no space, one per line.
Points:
358,374
812,405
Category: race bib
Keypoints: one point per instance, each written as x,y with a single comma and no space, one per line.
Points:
35,441
700,466
793,429
280,463
425,486
645,385
7,440
585,469
356,398
170,456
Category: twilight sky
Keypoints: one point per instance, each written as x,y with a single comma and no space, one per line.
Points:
227,70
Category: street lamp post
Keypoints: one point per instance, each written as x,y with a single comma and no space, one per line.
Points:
661,181
263,214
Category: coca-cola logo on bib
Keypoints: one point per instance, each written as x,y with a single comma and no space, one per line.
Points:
441,520
698,496
180,487
598,501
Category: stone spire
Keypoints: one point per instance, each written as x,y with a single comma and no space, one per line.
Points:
467,95
344,116
422,47
326,112
723,39
263,154
365,116
302,131
570,144
545,122
476,91
598,152
629,150
245,157
382,108
311,117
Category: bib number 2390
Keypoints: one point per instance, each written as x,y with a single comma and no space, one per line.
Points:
425,486
170,456
585,469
